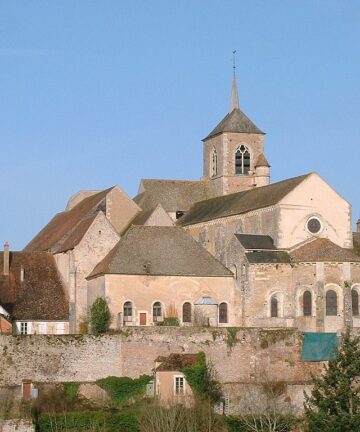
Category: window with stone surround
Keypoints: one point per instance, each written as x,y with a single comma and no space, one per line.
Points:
157,312
331,303
274,307
128,311
307,303
242,160
355,302
223,313
24,328
179,385
186,315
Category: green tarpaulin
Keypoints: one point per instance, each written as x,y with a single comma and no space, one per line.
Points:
318,346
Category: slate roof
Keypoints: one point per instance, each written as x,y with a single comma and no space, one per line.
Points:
323,250
177,362
153,250
236,121
66,229
41,296
257,242
240,202
268,257
262,161
173,195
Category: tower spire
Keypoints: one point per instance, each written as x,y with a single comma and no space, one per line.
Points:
234,103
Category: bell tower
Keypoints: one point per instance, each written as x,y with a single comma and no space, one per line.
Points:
234,151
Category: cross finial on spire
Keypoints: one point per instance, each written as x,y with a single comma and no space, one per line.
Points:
234,92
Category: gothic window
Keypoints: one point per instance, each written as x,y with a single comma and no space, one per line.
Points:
186,312
274,306
157,313
242,160
331,303
128,311
355,302
223,313
214,164
307,306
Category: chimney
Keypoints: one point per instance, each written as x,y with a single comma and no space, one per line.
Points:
6,259
358,226
22,273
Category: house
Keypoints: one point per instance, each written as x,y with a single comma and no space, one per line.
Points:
171,386
32,295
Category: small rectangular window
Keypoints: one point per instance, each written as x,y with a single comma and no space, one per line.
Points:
179,213
24,328
179,385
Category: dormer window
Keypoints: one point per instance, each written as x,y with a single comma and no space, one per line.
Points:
242,160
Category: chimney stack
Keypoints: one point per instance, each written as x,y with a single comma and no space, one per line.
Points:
358,226
6,259
22,273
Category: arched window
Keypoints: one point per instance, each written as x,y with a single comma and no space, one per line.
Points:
223,313
214,164
186,315
331,303
242,160
157,312
274,312
307,303
128,311
355,302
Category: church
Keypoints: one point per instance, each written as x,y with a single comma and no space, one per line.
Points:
231,249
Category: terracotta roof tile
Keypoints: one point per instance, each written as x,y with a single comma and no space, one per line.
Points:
177,362
61,229
41,296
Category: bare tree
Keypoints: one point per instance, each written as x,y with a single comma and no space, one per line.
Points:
265,407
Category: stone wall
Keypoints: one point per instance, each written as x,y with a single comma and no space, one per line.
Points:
251,357
16,426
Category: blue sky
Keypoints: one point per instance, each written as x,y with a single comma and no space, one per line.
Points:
95,93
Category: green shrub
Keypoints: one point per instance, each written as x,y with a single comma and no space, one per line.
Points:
71,391
170,321
201,380
100,316
88,421
120,389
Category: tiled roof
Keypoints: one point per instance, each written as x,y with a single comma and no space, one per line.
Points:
323,250
152,250
268,257
257,242
240,202
173,195
262,161
41,295
236,121
177,362
66,229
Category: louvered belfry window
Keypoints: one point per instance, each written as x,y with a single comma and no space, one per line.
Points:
331,303
307,306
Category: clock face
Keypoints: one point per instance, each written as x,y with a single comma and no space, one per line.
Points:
314,225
